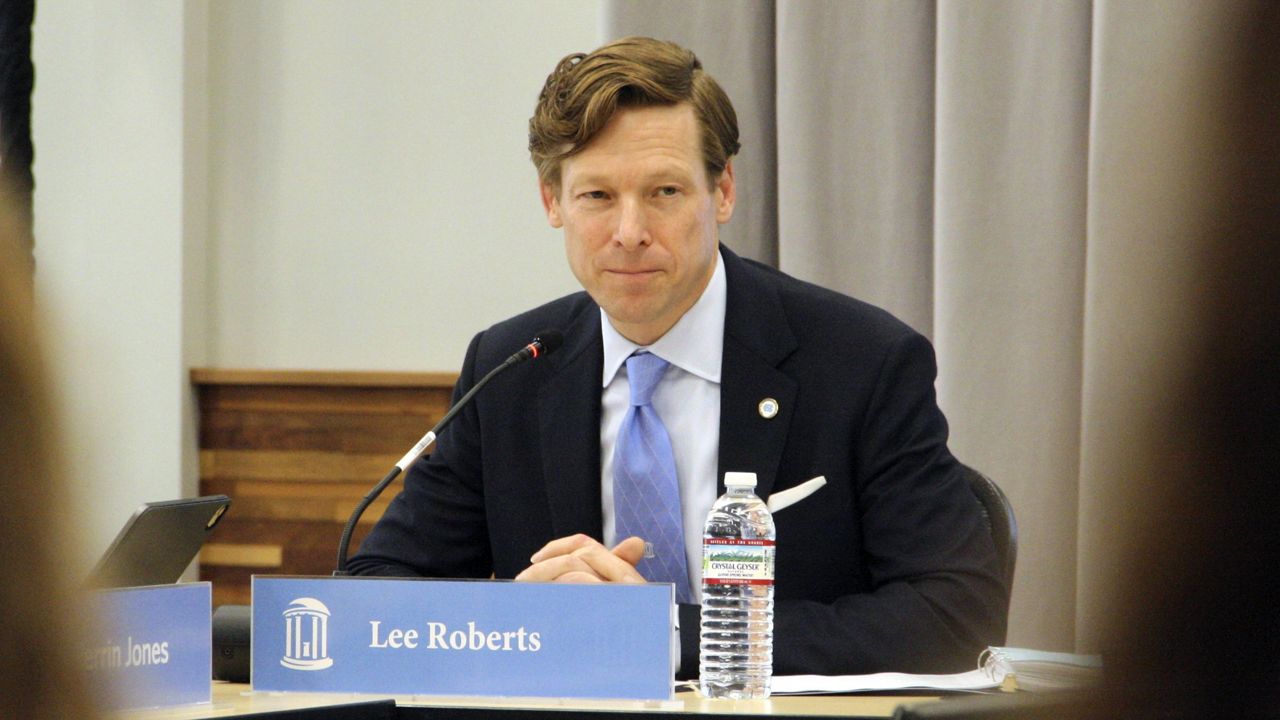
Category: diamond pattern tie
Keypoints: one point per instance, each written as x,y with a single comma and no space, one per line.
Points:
645,491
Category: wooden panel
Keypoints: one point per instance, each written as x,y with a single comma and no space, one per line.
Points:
274,500
251,556
230,429
318,378
329,399
296,451
294,464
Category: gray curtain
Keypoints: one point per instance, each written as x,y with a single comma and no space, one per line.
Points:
977,167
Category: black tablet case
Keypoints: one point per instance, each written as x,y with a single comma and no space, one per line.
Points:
158,542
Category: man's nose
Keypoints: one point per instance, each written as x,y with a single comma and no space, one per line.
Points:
632,230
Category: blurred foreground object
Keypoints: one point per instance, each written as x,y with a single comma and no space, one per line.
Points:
39,677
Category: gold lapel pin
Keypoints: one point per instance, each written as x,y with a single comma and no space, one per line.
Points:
768,408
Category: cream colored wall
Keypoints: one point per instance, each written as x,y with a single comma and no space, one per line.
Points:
108,130
274,184
372,199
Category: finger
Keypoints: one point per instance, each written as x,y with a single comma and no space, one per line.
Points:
552,569
608,566
630,550
563,546
578,577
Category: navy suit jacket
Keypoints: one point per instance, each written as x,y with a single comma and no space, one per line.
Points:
889,567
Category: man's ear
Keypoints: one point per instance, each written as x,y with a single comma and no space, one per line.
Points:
550,203
726,194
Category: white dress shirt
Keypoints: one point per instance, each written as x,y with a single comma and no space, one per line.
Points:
688,401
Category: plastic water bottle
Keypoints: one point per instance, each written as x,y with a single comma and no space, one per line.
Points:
737,594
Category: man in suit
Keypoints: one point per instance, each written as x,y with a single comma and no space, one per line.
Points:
889,566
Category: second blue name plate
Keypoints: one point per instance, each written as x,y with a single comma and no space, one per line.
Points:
443,637
154,646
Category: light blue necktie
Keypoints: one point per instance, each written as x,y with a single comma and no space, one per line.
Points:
646,495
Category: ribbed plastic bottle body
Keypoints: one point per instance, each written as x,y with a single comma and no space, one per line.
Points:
736,649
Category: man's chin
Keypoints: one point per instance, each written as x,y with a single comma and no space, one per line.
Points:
640,325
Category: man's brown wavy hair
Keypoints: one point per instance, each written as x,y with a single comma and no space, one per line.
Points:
583,92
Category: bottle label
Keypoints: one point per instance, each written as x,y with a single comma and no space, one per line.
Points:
736,561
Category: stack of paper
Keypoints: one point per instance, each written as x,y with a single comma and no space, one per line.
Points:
973,681
1039,670
1003,668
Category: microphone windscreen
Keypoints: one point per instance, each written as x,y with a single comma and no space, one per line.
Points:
550,340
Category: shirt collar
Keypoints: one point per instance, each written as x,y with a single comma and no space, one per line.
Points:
694,344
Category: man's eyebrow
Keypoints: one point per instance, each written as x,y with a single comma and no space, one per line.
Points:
585,179
677,174
658,177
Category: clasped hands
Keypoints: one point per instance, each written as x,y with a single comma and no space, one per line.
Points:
581,558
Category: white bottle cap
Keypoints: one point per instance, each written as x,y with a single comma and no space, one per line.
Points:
740,479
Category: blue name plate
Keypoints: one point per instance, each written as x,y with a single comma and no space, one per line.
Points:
153,646
444,637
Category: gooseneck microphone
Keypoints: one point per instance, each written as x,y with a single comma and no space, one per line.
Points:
544,343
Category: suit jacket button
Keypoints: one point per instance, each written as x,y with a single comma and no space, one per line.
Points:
768,408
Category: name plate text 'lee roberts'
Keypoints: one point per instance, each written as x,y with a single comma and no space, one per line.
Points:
477,638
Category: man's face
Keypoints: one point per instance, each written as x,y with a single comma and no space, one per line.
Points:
640,218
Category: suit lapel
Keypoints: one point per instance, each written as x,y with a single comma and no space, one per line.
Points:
569,428
757,338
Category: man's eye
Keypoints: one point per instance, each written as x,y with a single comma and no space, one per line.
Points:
594,195
668,191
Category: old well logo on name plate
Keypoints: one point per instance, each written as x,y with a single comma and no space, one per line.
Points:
306,635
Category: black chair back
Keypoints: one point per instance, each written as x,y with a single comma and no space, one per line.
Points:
1000,520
